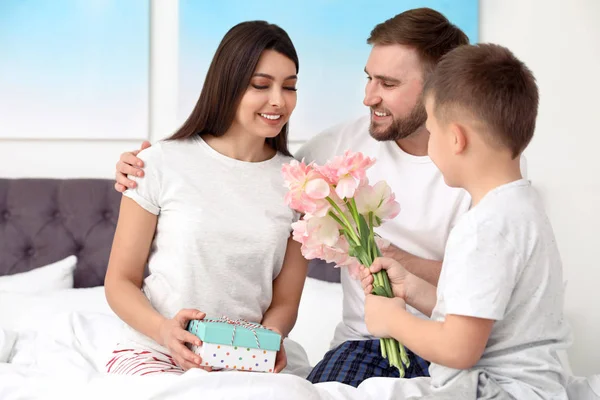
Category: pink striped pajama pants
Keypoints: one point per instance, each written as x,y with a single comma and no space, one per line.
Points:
127,360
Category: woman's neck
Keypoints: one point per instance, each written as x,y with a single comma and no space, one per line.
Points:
243,147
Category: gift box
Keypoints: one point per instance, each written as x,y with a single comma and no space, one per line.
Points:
235,344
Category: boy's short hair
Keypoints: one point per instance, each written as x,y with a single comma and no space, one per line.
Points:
427,31
493,86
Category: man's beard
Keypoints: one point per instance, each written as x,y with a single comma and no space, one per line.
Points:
402,127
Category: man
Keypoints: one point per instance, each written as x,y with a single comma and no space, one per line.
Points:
405,50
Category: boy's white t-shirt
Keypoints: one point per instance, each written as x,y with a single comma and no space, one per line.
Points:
502,263
429,208
222,230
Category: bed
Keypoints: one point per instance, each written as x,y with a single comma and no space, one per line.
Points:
56,328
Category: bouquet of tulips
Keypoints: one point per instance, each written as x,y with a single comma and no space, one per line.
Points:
341,209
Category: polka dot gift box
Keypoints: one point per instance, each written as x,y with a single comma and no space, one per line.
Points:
235,344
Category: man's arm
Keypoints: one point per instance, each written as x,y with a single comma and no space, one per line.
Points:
428,270
420,294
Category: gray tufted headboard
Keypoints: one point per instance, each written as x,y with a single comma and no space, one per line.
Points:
46,220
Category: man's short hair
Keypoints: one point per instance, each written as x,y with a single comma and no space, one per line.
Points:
426,30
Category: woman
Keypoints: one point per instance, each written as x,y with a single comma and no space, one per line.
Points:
209,216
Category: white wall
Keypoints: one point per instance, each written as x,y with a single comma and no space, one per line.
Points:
562,47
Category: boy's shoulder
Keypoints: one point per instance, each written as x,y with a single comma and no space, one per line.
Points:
512,213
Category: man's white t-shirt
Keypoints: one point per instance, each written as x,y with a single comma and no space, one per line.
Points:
429,208
222,231
502,263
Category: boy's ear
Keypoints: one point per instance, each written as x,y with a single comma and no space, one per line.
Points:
459,138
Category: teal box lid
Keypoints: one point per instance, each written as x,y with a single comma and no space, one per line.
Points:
221,332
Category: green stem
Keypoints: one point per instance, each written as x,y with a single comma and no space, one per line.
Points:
377,251
399,363
381,279
343,218
377,279
336,218
353,209
404,355
388,350
372,250
386,284
365,261
351,204
382,344
393,354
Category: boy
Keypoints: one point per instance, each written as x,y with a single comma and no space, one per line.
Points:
496,317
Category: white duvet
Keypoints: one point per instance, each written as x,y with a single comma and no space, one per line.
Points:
54,346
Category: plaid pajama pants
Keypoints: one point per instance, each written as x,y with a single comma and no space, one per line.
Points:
354,361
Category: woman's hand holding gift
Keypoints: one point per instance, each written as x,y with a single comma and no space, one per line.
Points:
281,358
174,336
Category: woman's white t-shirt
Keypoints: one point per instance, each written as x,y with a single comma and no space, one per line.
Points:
222,230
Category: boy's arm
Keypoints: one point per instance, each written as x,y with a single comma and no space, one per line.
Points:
413,290
458,342
480,273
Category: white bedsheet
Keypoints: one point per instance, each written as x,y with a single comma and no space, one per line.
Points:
54,347
64,361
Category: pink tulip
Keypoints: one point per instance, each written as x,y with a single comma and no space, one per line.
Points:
322,194
347,172
346,187
311,253
324,230
334,255
300,231
315,234
309,191
346,261
320,209
320,239
377,199
339,256
307,188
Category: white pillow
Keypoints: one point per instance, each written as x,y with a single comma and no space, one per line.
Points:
55,276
